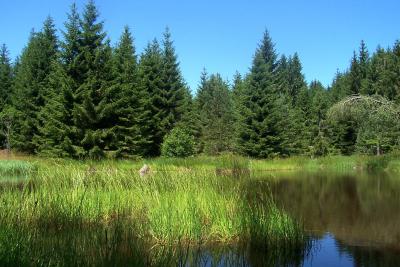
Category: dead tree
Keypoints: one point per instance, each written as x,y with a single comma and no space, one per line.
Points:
368,111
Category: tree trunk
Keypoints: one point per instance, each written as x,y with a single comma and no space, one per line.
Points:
378,149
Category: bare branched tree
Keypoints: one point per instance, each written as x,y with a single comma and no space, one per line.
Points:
373,114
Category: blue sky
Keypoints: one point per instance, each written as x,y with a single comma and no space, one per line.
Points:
222,35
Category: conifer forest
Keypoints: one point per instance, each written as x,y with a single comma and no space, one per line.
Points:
73,94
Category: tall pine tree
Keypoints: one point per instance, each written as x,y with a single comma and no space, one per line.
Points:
175,93
56,135
93,111
131,130
261,113
150,73
6,79
31,85
215,107
6,76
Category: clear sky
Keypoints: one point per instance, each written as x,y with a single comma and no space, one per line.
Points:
221,35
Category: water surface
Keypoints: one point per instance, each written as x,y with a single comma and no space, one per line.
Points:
350,219
354,219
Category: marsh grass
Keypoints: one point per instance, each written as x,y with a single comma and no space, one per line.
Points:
381,163
176,206
183,203
16,168
233,165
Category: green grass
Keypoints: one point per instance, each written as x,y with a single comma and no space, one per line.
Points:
199,200
15,167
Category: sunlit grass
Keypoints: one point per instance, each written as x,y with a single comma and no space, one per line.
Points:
170,204
15,167
198,200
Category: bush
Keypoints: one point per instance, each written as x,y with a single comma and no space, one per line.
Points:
377,163
178,143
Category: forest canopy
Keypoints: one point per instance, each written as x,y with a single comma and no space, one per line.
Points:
78,96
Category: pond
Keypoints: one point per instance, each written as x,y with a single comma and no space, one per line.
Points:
350,219
353,219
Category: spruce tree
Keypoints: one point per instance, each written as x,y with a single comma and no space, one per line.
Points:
261,114
150,73
364,68
355,75
31,85
93,111
131,129
342,134
283,75
296,82
54,138
216,115
6,77
396,71
57,133
237,87
202,89
301,107
359,69
71,47
340,87
175,93
384,70
320,103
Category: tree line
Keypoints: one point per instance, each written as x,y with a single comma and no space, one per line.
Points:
81,97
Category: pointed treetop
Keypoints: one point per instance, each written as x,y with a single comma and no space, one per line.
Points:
72,24
155,45
296,63
363,53
354,59
125,53
49,28
90,13
265,58
283,60
396,48
89,22
167,35
4,55
267,50
237,77
126,42
169,49
71,43
49,34
203,76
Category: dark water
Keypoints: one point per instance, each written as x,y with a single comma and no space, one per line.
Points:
356,209
354,220
351,219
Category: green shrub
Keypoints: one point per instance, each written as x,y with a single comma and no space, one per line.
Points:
178,143
377,163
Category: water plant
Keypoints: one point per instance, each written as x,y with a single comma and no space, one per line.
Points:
168,208
16,167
